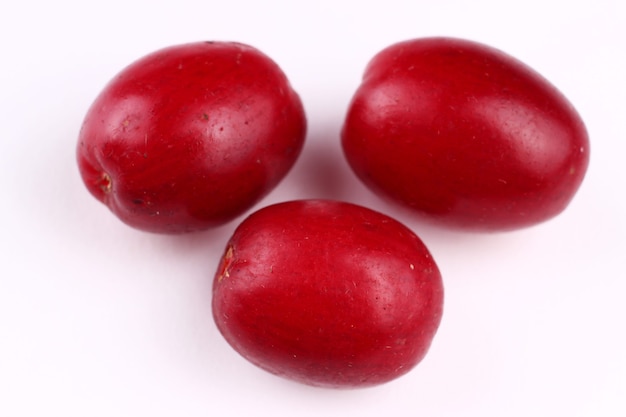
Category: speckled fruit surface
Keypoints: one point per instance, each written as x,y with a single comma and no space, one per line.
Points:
465,135
191,136
328,294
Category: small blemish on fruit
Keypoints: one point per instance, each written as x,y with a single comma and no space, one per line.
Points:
227,261
105,183
412,266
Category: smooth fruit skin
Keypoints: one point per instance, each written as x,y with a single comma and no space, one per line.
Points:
191,136
328,294
466,135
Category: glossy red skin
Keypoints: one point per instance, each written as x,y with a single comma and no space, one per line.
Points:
328,294
466,135
191,136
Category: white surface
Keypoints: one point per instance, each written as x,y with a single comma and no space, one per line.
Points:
97,319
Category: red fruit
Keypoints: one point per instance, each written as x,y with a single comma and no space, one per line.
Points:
466,135
191,136
328,294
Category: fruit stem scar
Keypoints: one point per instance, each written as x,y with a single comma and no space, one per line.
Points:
105,183
227,261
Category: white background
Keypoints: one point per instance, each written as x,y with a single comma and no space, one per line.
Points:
97,319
